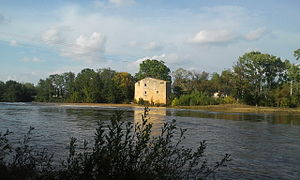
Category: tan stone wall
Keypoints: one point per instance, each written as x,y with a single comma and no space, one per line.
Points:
152,90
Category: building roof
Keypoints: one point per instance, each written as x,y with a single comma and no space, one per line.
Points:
152,78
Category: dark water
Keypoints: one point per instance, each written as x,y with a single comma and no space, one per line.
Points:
262,146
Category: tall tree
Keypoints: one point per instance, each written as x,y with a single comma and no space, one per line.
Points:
68,85
125,84
227,82
45,90
181,81
186,81
256,74
153,68
109,89
87,87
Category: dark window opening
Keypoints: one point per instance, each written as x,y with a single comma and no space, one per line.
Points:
145,92
157,92
145,84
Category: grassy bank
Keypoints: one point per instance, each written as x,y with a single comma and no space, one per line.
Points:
234,108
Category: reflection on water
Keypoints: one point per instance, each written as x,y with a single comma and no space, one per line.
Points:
263,146
276,118
156,117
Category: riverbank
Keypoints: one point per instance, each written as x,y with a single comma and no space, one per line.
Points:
228,108
241,108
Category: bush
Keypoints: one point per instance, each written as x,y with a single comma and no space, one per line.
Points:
120,151
175,102
229,100
195,99
24,161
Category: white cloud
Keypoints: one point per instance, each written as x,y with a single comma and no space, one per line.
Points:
13,43
169,59
150,46
153,46
214,37
52,36
255,34
34,59
113,3
133,44
88,48
121,2
170,28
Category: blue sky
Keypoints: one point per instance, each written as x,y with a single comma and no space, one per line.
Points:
42,37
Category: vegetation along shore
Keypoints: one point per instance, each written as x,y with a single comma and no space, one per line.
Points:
256,79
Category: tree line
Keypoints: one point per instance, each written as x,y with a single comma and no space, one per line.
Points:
255,79
88,86
12,91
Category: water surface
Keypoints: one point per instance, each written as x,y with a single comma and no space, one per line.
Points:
262,146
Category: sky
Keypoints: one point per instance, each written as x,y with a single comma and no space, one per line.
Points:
42,37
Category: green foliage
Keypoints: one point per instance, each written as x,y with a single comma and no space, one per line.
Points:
256,74
229,100
24,161
297,54
185,82
120,151
89,86
125,85
195,99
175,102
2,89
255,79
154,69
12,91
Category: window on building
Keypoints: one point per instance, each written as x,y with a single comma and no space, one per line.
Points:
138,83
145,84
157,92
161,82
145,92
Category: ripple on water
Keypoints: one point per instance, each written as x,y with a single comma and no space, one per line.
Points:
262,146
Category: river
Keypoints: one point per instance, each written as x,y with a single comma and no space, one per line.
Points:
262,146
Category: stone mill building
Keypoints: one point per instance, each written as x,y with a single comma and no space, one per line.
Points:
155,91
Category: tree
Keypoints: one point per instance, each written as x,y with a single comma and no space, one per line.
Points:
154,69
109,89
57,82
2,86
227,82
297,54
13,91
68,84
181,79
87,87
45,90
125,83
256,74
188,81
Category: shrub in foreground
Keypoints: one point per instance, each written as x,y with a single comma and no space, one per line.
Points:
121,150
